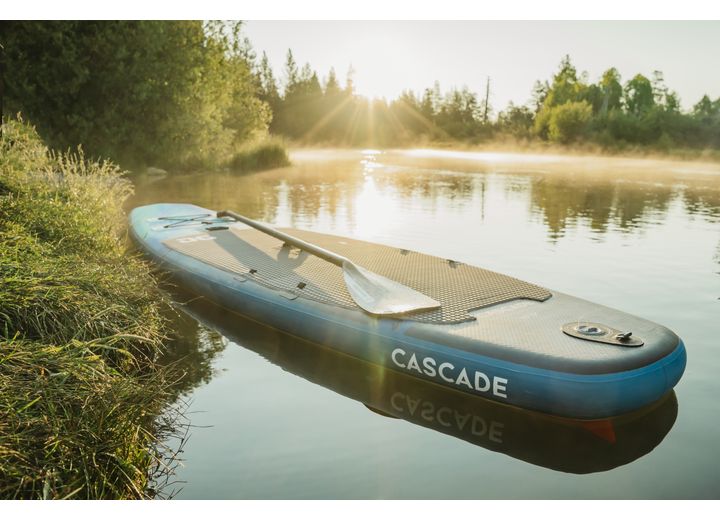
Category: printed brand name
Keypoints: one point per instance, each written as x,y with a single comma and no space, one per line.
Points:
480,382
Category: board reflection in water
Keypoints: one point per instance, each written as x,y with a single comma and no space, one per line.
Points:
567,445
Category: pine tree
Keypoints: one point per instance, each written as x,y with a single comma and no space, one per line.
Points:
291,73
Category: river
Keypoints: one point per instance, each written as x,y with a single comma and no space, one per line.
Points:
272,417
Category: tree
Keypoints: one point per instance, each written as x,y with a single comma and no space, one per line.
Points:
332,87
612,90
638,95
291,73
539,94
350,81
565,85
427,106
659,89
486,108
406,111
266,79
140,92
516,120
706,122
706,108
565,88
303,102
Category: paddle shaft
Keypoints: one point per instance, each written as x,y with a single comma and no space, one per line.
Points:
301,244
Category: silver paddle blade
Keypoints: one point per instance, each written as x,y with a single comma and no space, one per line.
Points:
379,295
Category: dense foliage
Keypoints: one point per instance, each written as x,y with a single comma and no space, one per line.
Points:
189,94
170,93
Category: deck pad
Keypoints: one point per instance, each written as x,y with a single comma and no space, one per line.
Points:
255,255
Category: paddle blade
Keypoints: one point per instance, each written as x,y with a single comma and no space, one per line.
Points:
379,295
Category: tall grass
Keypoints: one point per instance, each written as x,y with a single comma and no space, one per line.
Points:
262,155
80,328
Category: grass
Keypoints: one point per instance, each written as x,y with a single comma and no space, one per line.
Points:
72,425
81,326
262,155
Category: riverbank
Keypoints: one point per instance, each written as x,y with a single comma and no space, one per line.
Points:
266,154
586,167
540,148
618,150
81,328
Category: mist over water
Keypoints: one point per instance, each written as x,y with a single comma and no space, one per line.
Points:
639,235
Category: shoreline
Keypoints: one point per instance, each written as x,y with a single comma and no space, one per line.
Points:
710,156
85,407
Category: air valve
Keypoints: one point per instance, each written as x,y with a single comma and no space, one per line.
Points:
600,333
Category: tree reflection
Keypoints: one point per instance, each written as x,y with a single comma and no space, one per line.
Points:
703,199
255,193
411,182
564,202
191,350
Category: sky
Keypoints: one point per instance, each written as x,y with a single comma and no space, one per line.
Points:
390,56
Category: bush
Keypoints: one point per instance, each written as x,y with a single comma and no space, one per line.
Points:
568,122
264,155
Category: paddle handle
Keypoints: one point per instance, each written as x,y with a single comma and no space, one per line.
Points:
289,239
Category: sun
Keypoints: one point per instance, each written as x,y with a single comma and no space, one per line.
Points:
375,86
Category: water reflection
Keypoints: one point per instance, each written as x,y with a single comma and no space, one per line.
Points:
560,444
703,199
429,184
191,350
563,201
306,189
352,191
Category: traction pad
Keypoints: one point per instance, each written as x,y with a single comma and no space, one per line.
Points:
268,261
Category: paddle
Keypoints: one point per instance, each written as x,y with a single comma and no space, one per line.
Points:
372,292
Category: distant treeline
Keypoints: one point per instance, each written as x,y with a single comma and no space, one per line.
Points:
191,94
567,109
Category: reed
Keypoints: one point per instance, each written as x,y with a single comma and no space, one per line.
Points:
261,155
81,397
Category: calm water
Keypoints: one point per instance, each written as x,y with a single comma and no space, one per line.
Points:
276,418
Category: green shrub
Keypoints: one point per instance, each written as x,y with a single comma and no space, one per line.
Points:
568,122
263,155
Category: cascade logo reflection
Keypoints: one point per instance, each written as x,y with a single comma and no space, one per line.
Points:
560,444
445,417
